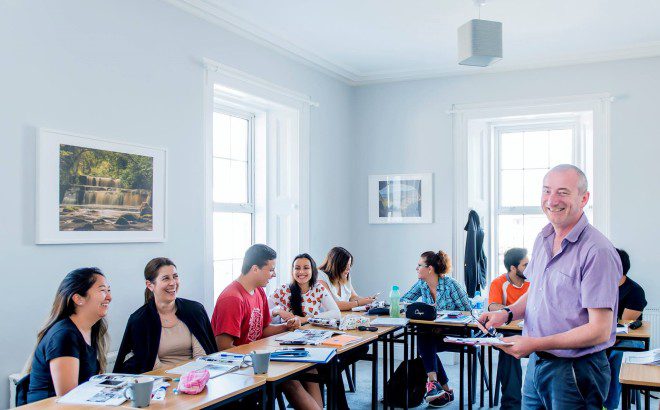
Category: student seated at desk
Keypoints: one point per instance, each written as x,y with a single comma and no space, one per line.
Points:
305,296
166,329
436,288
335,276
632,301
241,315
72,346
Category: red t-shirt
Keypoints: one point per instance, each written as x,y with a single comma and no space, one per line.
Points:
240,314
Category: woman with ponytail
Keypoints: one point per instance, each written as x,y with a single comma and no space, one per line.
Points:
72,345
166,329
435,287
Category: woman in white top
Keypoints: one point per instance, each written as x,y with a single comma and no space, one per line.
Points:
337,268
304,297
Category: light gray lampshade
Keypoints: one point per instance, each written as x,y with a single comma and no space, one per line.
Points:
479,43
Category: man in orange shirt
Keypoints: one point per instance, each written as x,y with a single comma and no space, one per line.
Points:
505,290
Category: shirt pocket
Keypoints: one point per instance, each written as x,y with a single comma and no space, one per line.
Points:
563,287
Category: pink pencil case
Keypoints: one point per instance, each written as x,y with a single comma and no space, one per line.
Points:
193,382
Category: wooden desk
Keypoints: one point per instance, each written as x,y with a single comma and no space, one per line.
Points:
640,377
222,389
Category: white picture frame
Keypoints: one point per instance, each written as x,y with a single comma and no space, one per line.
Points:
76,208
401,198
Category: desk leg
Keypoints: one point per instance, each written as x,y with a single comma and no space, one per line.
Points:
391,354
483,376
469,378
461,376
264,398
374,375
405,361
271,392
647,399
332,386
385,364
491,379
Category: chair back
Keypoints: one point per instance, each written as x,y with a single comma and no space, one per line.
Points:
22,387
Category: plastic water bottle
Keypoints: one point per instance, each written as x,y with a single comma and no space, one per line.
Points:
395,310
477,304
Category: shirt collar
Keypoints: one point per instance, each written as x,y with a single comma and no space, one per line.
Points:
574,234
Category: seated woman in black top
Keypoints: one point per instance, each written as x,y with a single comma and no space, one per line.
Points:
72,345
167,329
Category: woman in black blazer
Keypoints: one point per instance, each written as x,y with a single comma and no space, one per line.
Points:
167,329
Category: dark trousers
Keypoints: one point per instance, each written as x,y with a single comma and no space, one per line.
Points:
428,346
509,372
566,383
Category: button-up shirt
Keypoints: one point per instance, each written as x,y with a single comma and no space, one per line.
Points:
584,274
450,295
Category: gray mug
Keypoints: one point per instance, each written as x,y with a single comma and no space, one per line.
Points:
140,393
260,361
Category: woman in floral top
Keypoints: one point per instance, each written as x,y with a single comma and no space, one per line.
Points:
304,297
436,288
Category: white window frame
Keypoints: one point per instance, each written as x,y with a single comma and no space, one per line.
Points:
280,154
474,189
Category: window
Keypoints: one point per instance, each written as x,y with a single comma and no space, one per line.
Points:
523,155
233,194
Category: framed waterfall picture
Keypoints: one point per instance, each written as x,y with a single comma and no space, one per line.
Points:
401,198
96,191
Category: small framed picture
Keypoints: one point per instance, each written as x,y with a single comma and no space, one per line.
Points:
401,198
96,191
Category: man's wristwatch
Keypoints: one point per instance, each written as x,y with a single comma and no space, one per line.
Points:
510,318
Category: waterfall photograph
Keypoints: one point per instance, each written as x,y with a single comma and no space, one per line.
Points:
102,190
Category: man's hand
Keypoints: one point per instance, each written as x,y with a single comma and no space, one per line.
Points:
293,323
492,319
523,346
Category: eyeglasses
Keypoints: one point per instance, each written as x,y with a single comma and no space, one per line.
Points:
422,266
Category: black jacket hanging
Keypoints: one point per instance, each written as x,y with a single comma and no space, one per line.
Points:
139,346
475,258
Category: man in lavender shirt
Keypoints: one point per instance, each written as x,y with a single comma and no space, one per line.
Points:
570,308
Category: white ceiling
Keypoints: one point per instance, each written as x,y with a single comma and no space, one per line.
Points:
364,41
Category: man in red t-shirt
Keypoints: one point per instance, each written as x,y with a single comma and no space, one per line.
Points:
505,290
241,314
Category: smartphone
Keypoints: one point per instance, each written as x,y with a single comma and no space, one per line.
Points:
292,342
376,295
111,383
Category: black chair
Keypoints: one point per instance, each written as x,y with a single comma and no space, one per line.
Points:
22,387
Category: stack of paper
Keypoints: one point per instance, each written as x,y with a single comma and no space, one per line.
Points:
307,336
477,341
390,321
462,319
651,357
341,340
215,369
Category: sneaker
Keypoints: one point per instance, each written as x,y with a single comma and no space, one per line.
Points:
443,399
433,391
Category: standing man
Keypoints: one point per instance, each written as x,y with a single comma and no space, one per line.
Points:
505,290
570,308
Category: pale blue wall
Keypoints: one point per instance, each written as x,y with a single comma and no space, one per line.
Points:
130,70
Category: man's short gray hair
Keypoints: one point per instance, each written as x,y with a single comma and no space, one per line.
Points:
583,185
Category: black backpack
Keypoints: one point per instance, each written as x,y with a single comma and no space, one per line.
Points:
416,384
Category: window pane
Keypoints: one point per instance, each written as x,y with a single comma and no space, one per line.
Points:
510,235
532,227
239,139
230,181
535,151
232,235
511,150
533,183
561,147
511,188
221,133
222,276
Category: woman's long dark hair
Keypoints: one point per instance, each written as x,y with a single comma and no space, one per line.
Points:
296,293
76,282
335,263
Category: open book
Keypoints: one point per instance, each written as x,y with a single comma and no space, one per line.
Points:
217,364
307,336
108,389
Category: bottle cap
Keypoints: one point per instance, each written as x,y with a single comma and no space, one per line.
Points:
395,287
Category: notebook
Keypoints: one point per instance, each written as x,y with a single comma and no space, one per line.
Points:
341,340
316,355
